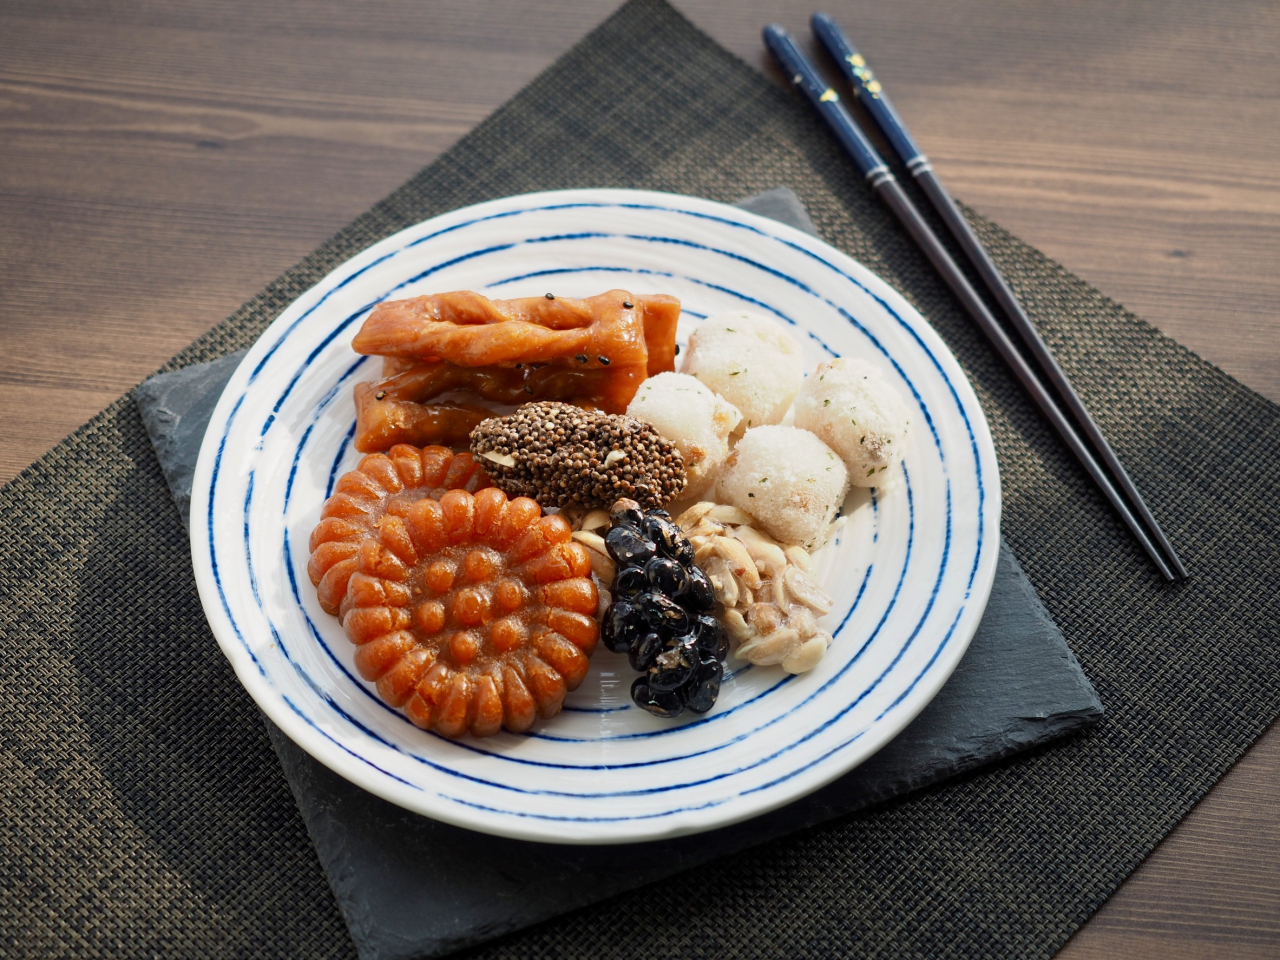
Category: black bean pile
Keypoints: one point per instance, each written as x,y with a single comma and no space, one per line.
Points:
660,615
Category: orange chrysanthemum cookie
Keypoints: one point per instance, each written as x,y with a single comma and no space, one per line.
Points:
471,611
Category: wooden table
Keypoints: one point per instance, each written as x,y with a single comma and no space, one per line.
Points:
161,161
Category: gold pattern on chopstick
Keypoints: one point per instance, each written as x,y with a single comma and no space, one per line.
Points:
866,78
828,95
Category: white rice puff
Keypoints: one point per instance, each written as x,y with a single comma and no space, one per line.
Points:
854,411
750,361
786,478
697,421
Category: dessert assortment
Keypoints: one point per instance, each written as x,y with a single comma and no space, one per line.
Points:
513,506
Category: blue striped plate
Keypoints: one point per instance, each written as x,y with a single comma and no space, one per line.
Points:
910,570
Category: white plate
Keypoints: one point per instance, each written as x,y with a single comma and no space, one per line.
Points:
910,572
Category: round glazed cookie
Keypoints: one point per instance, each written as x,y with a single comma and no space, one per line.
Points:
470,611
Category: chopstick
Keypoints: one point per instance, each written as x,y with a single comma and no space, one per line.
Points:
878,176
876,102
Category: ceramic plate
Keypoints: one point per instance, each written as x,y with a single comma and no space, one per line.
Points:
910,569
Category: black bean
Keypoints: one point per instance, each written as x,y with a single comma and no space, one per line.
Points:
628,512
665,534
701,692
665,705
698,593
643,651
664,614
627,546
674,666
623,624
629,582
667,576
713,642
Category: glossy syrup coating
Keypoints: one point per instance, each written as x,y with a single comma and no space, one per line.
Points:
470,612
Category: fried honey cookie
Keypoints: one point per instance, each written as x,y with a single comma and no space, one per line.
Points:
470,612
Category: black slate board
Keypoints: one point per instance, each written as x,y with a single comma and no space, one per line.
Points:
412,887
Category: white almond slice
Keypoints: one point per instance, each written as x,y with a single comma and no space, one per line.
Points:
802,619
602,564
590,540
723,582
806,656
706,528
595,520
780,598
740,561
725,513
768,556
799,556
805,589
772,649
736,626
501,459
765,617
695,513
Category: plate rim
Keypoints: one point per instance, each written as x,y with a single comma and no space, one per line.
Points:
303,733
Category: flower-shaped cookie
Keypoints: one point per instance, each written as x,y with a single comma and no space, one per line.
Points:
470,611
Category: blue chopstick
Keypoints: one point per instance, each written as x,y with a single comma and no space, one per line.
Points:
876,102
826,101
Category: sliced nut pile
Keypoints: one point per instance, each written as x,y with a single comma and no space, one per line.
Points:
589,528
771,603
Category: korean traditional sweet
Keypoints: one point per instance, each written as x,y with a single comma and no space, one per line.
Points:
594,352
564,456
749,360
849,405
696,420
660,614
769,601
469,610
786,478
383,422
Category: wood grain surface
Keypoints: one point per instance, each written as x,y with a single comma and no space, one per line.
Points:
161,160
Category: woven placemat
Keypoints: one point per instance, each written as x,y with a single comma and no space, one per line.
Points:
144,814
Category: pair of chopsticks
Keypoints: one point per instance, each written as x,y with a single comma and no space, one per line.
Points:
1110,475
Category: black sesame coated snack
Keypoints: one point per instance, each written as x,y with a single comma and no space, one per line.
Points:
562,456
660,615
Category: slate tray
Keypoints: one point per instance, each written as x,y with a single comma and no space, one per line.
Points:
412,887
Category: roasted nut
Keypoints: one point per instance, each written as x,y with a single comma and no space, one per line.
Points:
739,560
801,617
770,601
805,589
602,564
736,626
764,617
687,520
806,656
595,520
723,513
770,650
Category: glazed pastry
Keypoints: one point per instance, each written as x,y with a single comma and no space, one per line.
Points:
381,422
624,338
470,612
395,409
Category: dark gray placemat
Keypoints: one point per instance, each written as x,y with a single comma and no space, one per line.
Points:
144,813
410,887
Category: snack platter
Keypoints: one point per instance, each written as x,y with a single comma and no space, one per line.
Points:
450,693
